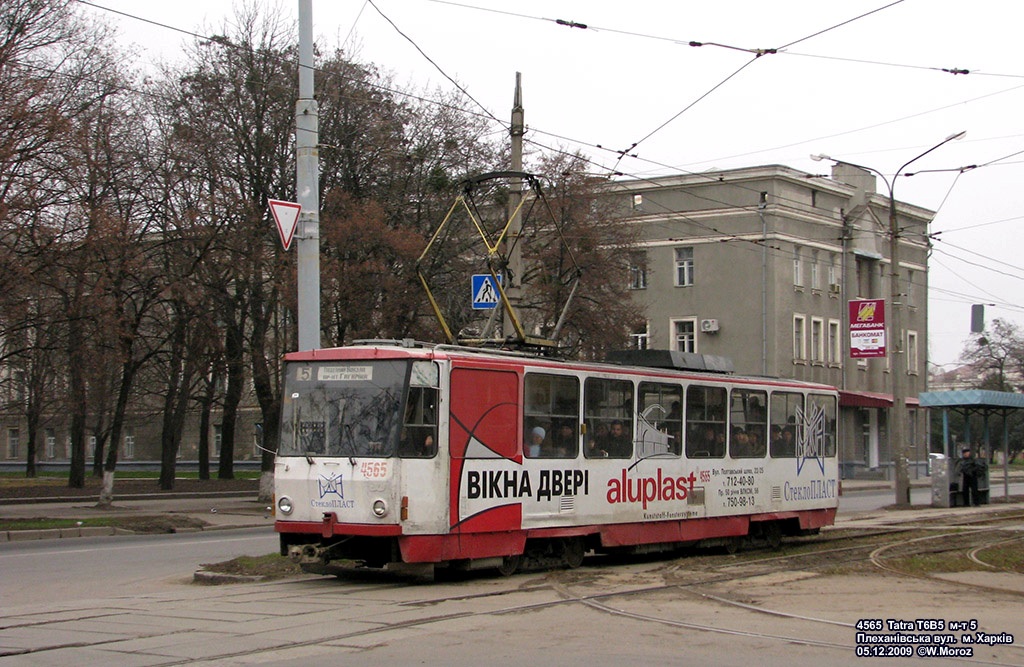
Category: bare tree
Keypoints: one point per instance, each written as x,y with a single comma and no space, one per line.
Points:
601,313
998,355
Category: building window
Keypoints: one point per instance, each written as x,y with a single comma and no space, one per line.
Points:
832,274
684,335
638,202
817,340
90,447
637,271
19,386
51,444
815,284
912,352
798,273
908,293
799,338
684,267
640,339
867,282
13,442
129,444
218,437
835,345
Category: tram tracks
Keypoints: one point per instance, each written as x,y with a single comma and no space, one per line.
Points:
702,577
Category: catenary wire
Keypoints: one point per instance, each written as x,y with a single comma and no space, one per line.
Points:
488,114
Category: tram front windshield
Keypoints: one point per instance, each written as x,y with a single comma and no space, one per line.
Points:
349,408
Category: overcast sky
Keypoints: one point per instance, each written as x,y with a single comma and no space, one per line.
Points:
860,80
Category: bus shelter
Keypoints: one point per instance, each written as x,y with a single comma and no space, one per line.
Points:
968,403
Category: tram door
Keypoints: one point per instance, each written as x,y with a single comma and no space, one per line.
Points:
483,441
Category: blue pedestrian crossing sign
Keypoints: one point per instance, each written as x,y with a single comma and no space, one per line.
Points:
485,291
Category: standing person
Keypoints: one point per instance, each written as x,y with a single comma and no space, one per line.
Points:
970,469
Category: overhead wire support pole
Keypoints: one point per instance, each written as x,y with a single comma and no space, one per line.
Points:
514,269
307,187
897,361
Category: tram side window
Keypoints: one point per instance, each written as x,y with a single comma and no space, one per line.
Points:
551,416
419,427
659,419
609,418
786,412
825,407
748,421
705,422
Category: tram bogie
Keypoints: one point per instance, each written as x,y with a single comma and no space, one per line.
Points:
395,455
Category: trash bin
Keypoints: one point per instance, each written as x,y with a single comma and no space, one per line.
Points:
943,492
983,485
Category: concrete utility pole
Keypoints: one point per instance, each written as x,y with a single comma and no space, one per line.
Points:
514,272
307,187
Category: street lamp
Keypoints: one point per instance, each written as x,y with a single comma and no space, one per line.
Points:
898,413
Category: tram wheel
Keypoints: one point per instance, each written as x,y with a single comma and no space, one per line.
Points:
573,552
509,565
733,544
773,535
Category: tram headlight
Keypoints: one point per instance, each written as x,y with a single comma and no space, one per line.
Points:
380,508
284,503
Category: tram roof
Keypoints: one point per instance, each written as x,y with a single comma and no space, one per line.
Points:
709,367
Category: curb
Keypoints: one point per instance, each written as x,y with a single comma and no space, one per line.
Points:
207,578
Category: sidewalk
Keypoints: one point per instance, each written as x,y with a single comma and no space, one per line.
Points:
995,479
244,511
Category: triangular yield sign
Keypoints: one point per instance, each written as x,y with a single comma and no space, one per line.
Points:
286,217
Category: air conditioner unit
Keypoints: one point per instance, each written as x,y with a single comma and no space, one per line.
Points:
834,288
709,326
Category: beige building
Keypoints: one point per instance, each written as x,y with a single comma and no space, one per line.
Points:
758,265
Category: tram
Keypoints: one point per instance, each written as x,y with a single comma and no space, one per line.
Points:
405,454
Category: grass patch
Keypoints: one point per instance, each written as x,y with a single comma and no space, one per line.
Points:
270,566
927,564
50,476
1009,557
163,523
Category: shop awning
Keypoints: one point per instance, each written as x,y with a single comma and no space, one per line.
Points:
869,399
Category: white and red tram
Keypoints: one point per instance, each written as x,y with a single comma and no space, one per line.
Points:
404,453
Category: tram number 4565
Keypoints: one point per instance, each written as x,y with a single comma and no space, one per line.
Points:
372,469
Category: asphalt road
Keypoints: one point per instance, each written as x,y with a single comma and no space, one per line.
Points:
129,565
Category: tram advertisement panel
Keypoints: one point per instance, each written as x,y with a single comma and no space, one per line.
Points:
500,486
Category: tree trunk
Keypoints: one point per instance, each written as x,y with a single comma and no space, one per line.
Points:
175,402
234,351
78,403
33,436
128,370
107,492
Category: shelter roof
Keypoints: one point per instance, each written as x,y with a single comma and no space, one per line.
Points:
971,398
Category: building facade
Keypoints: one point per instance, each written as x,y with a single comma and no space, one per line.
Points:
758,264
